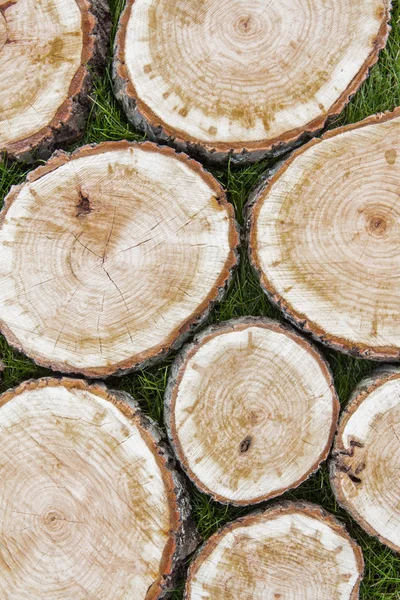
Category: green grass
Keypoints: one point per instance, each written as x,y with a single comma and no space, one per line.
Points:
107,122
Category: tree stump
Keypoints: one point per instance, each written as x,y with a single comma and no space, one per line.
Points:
47,51
251,410
243,79
366,456
324,234
90,503
293,550
110,256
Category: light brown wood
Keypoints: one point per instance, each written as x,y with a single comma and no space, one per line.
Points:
323,237
366,456
90,504
110,256
250,409
292,550
243,79
49,50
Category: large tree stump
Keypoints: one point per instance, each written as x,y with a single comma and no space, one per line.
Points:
293,550
90,503
324,238
243,78
47,51
110,256
251,410
366,457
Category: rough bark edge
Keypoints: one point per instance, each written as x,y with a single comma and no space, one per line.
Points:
144,119
368,385
278,509
184,538
179,336
299,320
175,378
70,119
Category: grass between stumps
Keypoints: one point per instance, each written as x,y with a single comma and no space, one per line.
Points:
107,122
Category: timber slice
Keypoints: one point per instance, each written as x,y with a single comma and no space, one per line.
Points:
366,458
243,78
90,504
251,410
47,50
293,550
324,238
109,256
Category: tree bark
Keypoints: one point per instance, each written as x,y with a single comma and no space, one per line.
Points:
91,503
366,456
48,54
111,256
323,238
292,550
250,409
242,80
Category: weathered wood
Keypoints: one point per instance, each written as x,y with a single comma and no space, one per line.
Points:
110,256
243,79
366,456
292,550
90,502
323,238
251,410
48,53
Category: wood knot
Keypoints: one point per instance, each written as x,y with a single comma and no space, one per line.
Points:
83,207
245,444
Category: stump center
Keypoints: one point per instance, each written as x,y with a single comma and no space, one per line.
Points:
246,24
3,31
377,226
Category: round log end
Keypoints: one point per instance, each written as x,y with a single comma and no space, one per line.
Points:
90,501
111,256
250,409
366,456
243,80
292,550
48,53
323,238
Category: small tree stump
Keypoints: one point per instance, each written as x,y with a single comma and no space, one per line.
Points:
110,256
366,456
293,550
90,503
251,410
47,50
324,238
243,79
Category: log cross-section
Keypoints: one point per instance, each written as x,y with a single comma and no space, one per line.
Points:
90,503
365,462
324,234
109,256
48,52
291,551
250,409
243,78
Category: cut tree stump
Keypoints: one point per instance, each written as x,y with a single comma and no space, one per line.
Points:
90,503
251,410
324,238
48,50
243,79
293,550
366,457
110,256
